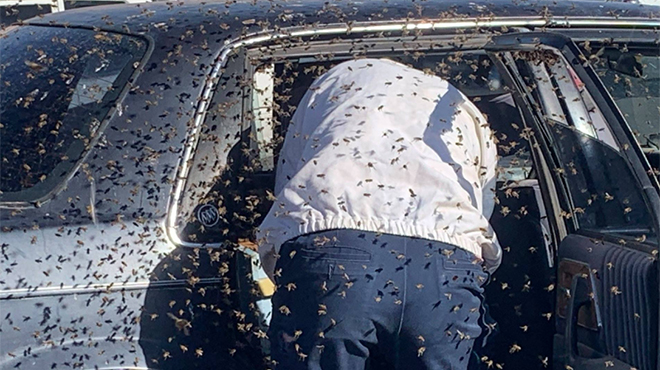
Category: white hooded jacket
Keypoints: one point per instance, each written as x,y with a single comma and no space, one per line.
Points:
378,146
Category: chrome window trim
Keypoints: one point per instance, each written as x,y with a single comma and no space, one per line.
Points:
104,288
252,39
439,43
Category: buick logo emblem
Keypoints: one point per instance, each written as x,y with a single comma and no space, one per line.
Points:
208,215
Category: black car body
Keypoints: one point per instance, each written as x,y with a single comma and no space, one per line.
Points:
138,144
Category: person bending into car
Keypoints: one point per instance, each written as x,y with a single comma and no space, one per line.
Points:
379,241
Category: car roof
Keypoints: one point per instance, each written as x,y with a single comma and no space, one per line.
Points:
252,16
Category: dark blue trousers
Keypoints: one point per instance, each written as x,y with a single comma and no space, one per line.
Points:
346,297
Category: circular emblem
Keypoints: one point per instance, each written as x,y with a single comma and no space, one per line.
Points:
208,215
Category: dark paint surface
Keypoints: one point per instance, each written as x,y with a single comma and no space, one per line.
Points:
142,17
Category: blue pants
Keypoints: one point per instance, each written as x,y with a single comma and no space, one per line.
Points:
345,297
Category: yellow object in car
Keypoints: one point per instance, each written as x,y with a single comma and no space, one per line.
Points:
266,287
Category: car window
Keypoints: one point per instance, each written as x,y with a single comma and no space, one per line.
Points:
58,85
632,76
564,98
601,185
229,188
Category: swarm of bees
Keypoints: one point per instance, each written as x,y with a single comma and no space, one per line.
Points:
123,239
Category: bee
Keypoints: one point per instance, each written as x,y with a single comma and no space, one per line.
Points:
285,310
181,324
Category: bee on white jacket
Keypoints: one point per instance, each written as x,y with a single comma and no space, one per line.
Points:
377,146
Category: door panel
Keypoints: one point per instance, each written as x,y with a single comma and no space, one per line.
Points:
625,297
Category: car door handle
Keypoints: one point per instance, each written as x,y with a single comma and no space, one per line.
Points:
579,296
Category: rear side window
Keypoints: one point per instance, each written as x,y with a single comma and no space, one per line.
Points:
57,87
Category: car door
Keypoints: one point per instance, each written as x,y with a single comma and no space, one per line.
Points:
628,64
606,313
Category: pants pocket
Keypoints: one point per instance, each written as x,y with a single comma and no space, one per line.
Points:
461,270
337,253
329,259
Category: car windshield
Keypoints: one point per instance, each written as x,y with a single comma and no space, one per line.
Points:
57,86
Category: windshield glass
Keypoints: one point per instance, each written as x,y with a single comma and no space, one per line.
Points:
56,87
